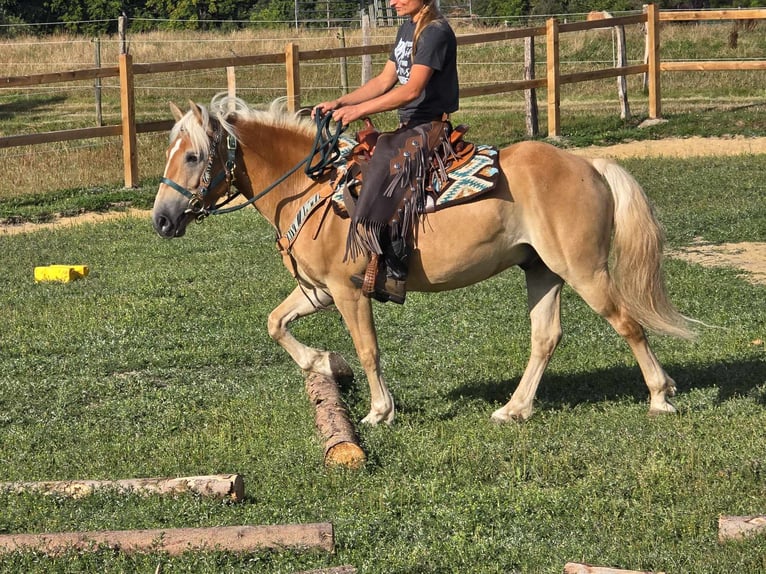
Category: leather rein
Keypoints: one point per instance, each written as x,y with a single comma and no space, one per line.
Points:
325,146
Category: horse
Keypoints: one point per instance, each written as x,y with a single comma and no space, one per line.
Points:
558,216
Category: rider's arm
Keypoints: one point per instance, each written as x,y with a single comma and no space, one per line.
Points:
373,88
352,109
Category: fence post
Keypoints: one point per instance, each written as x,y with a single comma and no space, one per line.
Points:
622,81
343,62
127,110
530,96
231,85
653,57
552,67
366,59
127,107
97,83
292,67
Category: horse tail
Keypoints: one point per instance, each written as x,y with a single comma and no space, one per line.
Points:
636,269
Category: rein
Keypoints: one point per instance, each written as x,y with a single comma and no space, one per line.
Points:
325,146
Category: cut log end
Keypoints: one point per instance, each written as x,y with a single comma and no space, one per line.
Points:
346,454
333,423
739,527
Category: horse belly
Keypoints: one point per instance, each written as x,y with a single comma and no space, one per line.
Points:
466,244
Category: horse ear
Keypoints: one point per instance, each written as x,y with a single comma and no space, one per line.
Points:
196,111
176,111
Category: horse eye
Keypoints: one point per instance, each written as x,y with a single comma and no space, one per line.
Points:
192,157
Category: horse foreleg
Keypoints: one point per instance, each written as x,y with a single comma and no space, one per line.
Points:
544,300
299,304
357,313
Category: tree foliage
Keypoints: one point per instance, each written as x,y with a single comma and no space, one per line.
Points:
100,16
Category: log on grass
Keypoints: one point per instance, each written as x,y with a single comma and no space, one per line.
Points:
332,570
223,486
739,527
577,568
333,423
175,541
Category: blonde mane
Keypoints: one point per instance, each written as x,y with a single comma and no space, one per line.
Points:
227,109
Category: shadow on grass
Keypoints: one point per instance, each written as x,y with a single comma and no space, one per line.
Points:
10,109
732,379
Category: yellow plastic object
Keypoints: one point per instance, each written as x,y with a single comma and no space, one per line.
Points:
63,273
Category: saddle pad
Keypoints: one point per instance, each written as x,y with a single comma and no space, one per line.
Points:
470,180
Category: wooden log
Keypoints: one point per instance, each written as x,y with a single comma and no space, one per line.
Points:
346,569
223,486
739,527
333,423
175,541
577,568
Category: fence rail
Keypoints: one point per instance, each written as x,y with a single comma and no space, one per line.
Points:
292,57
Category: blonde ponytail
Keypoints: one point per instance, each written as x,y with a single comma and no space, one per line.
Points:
428,13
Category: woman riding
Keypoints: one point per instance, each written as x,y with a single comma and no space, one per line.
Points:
423,62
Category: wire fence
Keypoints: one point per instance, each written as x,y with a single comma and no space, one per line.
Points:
32,109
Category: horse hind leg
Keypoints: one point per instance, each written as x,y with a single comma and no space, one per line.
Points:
544,302
298,304
598,292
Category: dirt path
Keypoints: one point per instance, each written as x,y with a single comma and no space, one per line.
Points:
749,257
91,217
678,147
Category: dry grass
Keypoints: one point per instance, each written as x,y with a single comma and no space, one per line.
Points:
72,105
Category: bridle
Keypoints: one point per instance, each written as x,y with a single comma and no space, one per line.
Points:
198,198
325,146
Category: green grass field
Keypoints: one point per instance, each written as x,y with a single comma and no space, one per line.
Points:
159,364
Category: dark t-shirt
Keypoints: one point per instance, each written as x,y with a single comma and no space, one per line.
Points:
437,49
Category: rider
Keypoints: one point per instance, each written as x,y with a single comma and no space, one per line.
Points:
424,63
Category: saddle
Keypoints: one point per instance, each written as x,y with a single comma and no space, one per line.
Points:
459,172
449,156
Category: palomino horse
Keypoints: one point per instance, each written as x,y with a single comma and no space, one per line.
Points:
558,216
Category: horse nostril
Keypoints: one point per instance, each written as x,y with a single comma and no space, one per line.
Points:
163,226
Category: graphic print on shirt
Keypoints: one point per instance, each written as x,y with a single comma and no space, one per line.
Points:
403,55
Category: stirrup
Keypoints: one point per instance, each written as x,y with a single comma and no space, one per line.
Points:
377,285
395,290
358,281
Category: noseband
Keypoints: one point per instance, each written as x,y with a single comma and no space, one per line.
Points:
197,198
325,146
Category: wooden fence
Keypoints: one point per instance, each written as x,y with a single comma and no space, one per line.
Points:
292,57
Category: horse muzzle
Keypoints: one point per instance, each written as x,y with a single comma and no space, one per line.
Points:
169,227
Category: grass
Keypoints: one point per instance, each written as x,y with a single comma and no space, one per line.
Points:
158,363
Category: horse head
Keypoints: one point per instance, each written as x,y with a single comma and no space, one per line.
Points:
198,172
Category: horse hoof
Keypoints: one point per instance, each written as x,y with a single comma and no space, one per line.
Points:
666,409
339,367
374,418
501,417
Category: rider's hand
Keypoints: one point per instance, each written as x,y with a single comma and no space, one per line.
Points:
346,114
324,107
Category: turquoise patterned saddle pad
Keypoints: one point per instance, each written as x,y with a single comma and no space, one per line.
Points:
475,177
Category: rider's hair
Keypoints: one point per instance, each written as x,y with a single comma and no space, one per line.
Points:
428,13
